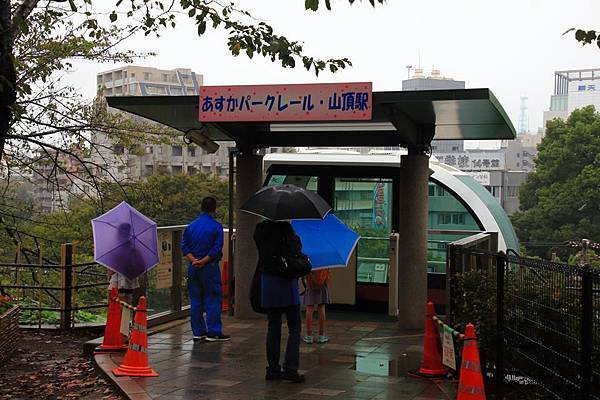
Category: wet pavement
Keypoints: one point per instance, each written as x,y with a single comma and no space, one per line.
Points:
363,360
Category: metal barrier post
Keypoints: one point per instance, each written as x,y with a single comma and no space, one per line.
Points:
587,310
66,263
176,295
501,261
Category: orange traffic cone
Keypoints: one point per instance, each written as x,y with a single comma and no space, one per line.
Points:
135,362
432,348
470,385
113,340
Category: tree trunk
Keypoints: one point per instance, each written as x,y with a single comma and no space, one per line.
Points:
8,77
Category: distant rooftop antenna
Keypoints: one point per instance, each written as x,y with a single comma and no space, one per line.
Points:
523,117
408,68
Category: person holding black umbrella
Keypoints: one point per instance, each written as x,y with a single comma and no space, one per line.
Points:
280,248
280,296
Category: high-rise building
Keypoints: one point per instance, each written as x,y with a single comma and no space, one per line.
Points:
120,163
435,81
573,89
145,159
134,80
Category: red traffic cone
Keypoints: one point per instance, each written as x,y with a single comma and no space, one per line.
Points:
225,283
470,385
432,348
135,362
113,340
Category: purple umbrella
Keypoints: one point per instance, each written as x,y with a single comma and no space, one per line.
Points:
125,241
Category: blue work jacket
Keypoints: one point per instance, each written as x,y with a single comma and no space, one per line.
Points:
203,237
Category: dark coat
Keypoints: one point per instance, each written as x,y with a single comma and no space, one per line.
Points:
270,237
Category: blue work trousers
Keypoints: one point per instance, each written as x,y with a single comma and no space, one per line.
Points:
204,287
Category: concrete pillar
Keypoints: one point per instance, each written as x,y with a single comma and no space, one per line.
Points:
412,249
248,179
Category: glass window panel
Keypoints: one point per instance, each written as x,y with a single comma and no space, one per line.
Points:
446,213
366,206
305,182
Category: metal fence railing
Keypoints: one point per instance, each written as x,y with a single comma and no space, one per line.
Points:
539,321
63,289
66,293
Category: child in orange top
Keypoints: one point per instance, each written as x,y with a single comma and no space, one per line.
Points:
317,293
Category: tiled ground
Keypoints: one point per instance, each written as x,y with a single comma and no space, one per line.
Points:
364,360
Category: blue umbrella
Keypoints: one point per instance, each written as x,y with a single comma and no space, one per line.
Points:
328,243
125,240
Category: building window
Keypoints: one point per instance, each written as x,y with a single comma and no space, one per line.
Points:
192,170
431,190
165,78
451,218
176,151
458,219
149,150
148,170
512,191
147,76
518,155
192,151
177,169
454,148
444,218
440,191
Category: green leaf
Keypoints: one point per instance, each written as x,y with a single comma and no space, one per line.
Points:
311,5
328,4
192,12
591,35
119,3
202,28
568,30
113,16
580,35
72,5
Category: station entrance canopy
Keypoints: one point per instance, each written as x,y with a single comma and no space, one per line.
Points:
409,119
308,116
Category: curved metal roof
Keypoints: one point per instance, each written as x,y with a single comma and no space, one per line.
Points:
483,205
400,118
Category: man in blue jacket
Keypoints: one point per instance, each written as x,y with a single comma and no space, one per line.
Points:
202,244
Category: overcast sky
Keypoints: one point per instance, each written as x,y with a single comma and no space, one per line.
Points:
512,47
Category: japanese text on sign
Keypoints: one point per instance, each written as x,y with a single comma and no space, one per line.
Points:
309,102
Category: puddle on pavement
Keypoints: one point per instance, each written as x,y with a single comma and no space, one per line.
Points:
381,366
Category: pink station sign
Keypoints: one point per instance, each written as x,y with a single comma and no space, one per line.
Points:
303,102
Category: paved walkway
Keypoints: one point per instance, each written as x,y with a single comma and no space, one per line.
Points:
364,360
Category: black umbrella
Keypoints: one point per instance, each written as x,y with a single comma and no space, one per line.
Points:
286,202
